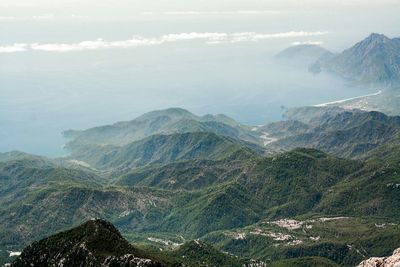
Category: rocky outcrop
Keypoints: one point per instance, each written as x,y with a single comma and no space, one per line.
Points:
391,261
96,243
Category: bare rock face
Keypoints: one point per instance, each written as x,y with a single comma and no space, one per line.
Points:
391,261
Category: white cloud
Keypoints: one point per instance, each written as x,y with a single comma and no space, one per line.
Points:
95,45
13,48
136,41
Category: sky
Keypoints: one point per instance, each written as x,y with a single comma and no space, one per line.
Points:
332,15
72,21
77,64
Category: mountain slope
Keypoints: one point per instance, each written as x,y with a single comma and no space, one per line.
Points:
343,133
45,211
164,122
305,53
295,182
15,155
221,207
164,149
95,243
190,175
376,59
229,194
311,240
199,253
98,243
18,178
197,184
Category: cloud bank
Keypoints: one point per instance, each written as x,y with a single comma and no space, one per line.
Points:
138,41
14,48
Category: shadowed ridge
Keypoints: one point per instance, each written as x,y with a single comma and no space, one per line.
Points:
94,243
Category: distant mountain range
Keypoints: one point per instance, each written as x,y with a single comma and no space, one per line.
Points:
345,133
374,60
163,149
304,53
212,190
163,122
349,133
371,63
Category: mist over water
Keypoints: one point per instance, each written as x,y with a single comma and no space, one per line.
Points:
45,93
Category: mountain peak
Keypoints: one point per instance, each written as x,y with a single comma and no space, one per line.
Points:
165,122
377,37
177,111
94,243
303,52
93,226
373,60
366,45
174,111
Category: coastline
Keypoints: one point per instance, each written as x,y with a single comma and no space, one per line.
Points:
347,99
